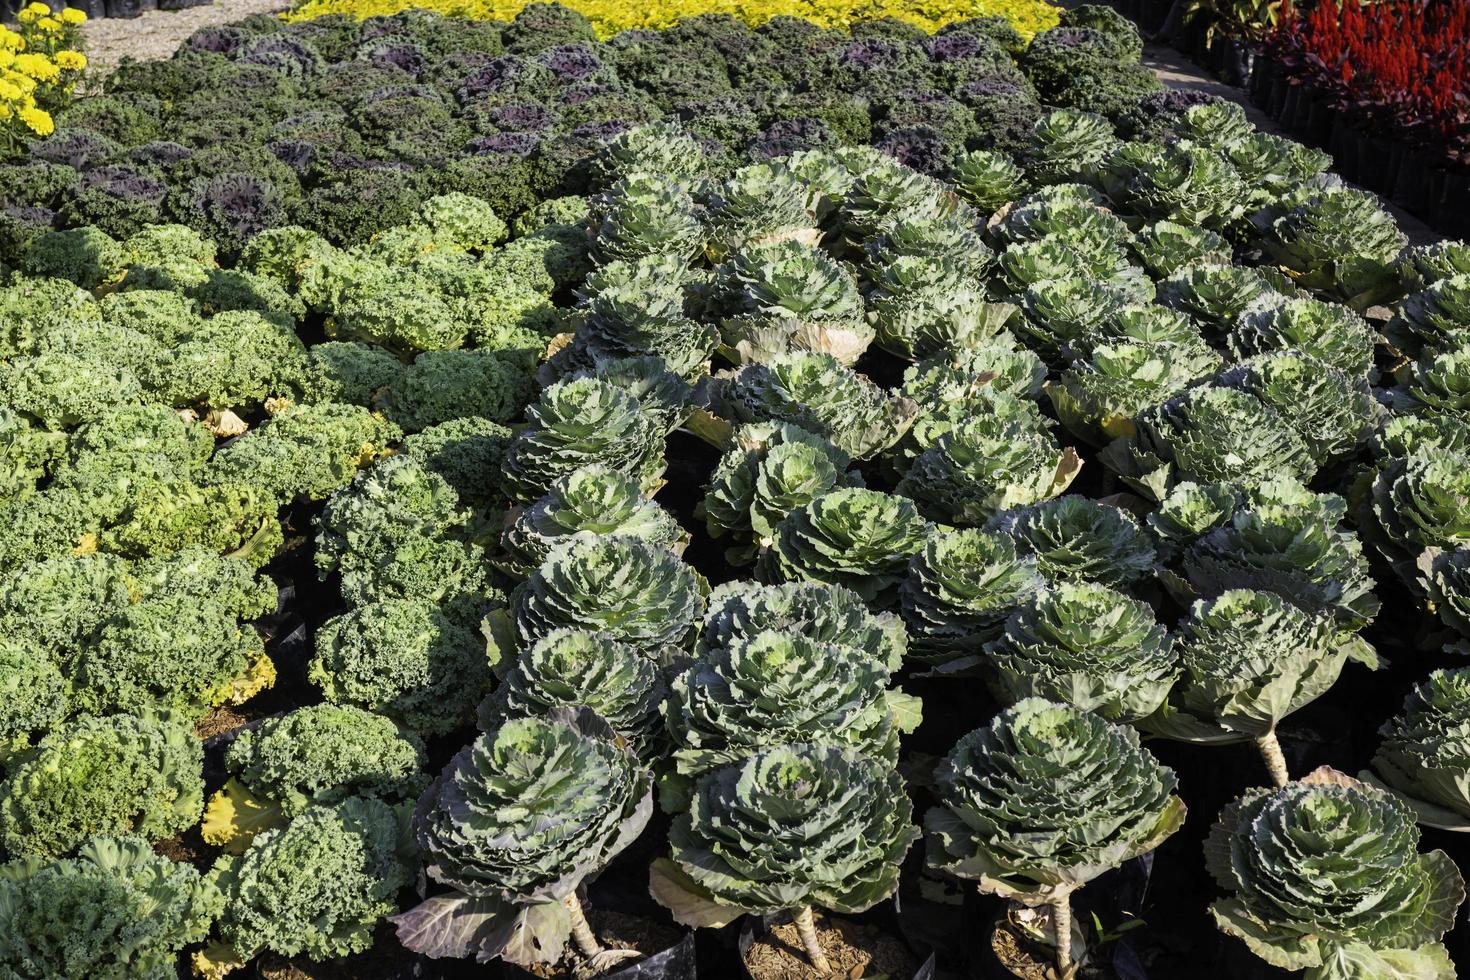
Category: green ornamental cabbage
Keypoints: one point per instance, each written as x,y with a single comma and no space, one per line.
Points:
817,393
592,499
114,911
772,469
1043,800
1097,399
1088,646
1435,318
514,824
1446,579
1165,247
578,422
645,214
784,830
1424,754
1210,434
825,614
1329,332
1336,239
960,590
778,688
575,668
1077,538
985,466
1326,875
1439,385
1330,410
857,538
639,593
1247,660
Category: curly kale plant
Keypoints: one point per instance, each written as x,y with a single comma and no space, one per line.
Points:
423,666
319,754
513,825
123,774
318,886
1043,800
113,911
1326,875
782,831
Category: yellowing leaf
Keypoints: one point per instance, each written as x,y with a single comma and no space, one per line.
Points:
234,816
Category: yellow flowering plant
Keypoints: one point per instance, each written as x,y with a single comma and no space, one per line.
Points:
40,63
611,17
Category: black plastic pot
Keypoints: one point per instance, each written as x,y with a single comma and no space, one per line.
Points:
124,8
1237,62
181,4
1264,73
1378,163
1453,211
1321,117
92,8
1411,185
1343,145
1152,14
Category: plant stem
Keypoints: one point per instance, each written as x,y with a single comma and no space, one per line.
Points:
581,931
1275,759
808,933
1061,924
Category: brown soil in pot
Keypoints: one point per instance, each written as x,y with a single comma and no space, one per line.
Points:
854,951
387,960
614,930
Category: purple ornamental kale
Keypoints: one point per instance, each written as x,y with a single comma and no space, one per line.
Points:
79,148
296,154
519,145
160,153
35,217
217,40
988,88
521,117
956,47
870,53
601,130
582,94
124,183
786,136
237,207
280,51
403,56
1174,101
570,63
919,147
498,75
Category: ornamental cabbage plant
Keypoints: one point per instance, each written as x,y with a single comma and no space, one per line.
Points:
1247,660
513,826
784,830
1042,800
960,590
778,688
637,592
1424,755
1325,875
1087,645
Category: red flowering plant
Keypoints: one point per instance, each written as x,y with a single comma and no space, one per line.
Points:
1405,66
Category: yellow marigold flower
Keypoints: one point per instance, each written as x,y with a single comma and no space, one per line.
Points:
11,41
49,24
37,66
70,60
39,121
72,15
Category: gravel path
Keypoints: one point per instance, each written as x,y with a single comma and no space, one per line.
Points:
159,32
